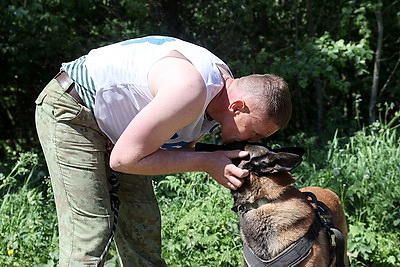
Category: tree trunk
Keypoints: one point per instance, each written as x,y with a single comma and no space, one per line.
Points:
375,80
317,81
320,104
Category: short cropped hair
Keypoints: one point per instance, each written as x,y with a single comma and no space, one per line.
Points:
269,93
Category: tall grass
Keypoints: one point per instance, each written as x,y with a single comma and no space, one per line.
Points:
366,173
199,229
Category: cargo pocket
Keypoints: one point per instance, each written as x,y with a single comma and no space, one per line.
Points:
65,108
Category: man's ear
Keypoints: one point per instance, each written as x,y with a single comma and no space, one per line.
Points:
238,105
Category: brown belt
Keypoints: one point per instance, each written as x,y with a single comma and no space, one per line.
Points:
64,80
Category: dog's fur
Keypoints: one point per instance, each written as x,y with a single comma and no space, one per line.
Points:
271,228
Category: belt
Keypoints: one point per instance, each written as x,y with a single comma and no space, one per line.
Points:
66,82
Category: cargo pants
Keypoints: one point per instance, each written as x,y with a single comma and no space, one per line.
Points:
76,156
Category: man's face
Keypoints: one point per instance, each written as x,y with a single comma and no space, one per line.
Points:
246,127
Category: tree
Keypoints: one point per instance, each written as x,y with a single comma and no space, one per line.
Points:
37,36
324,49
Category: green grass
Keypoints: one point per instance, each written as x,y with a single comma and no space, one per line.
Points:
199,229
28,220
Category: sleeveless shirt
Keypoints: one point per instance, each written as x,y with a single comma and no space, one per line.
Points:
112,80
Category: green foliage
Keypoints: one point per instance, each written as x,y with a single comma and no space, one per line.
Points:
28,221
37,36
325,57
20,169
330,43
364,170
370,246
199,229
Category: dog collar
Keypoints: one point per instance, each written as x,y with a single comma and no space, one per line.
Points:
243,208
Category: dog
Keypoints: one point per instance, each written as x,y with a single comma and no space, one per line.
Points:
281,225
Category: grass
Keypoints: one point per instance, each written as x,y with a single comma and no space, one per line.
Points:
28,221
198,227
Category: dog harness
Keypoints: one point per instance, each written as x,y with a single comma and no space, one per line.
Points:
300,249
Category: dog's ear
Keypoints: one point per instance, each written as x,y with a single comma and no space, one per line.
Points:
272,161
293,150
261,160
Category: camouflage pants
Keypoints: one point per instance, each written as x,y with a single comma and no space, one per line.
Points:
75,152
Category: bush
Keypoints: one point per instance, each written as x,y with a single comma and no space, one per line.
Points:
199,229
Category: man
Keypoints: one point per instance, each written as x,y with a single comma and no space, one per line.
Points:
152,98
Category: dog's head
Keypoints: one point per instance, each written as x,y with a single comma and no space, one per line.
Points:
261,160
269,169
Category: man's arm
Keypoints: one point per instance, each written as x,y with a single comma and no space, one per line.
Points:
179,98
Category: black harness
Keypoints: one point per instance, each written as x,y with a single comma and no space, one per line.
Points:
300,249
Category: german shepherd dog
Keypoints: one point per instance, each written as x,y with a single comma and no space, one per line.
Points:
281,225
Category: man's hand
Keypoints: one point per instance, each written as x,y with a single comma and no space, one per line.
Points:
219,165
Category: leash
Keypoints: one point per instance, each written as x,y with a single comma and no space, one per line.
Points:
114,207
115,202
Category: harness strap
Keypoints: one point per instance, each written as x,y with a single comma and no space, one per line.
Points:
300,249
339,247
291,256
336,236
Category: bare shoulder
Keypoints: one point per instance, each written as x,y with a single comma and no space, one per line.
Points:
175,72
179,97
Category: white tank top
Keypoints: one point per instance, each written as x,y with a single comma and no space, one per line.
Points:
119,73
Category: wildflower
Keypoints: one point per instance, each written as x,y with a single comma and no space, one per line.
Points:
10,252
